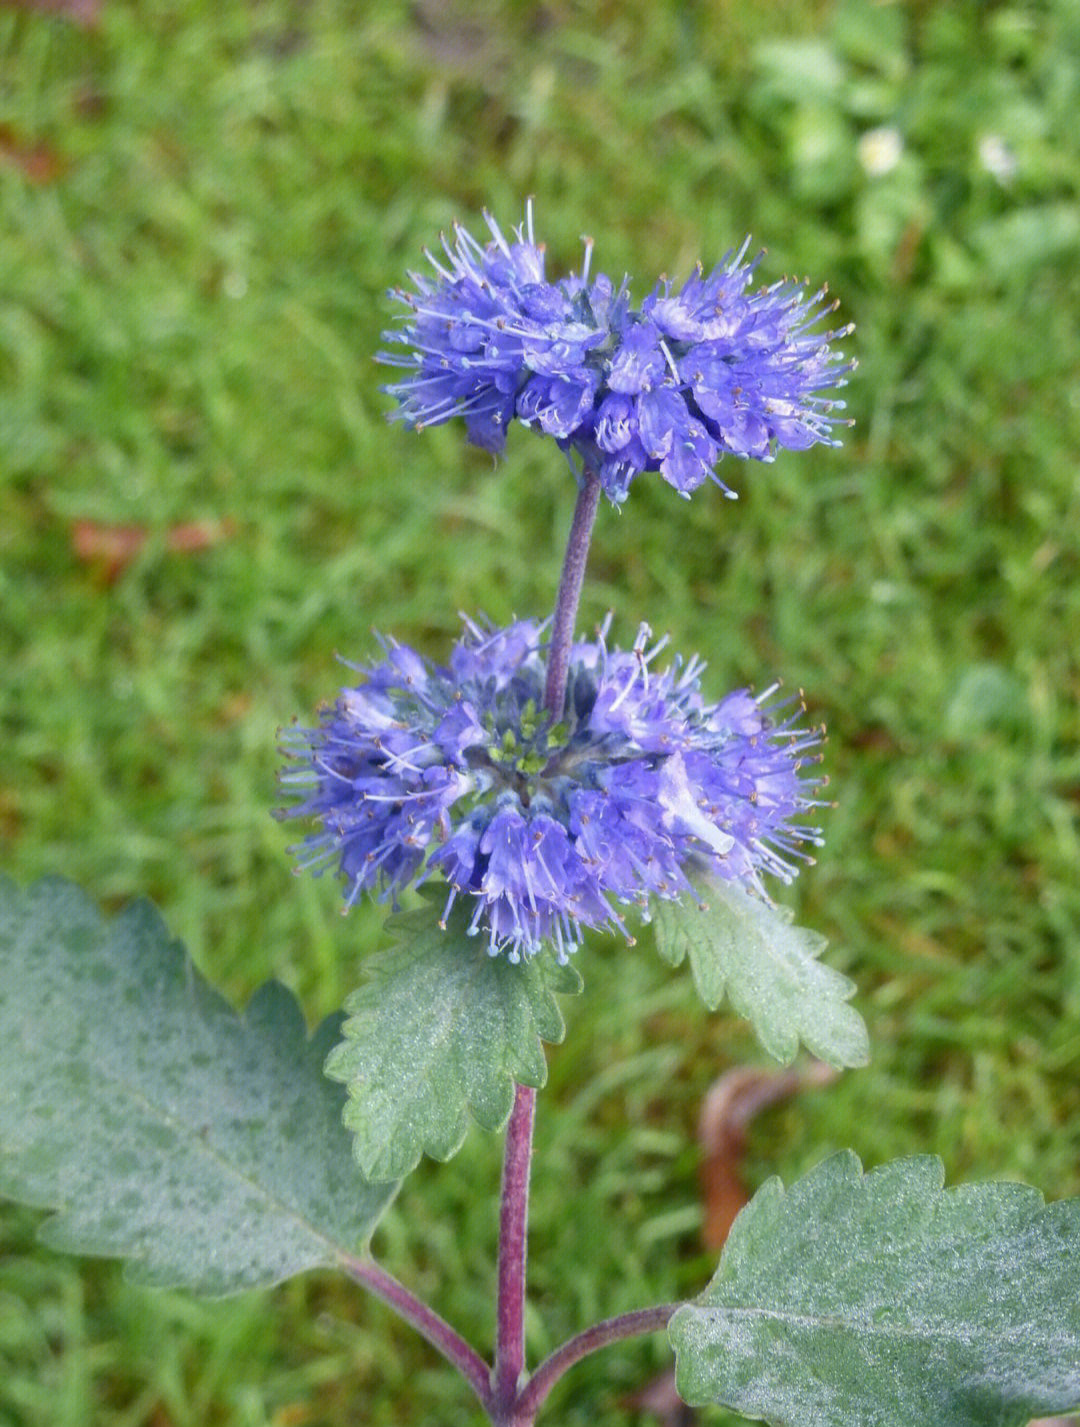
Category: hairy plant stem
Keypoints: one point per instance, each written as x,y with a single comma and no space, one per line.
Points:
506,1393
427,1323
513,1230
569,594
517,1158
600,1335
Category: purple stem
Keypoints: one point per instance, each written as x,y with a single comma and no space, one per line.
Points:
517,1157
566,601
513,1229
498,1390
600,1335
427,1323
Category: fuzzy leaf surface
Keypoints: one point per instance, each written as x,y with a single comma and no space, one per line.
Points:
768,968
202,1145
854,1300
439,1032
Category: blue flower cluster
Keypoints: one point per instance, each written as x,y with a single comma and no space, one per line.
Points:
708,370
547,825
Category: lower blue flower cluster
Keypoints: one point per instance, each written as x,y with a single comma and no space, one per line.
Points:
548,825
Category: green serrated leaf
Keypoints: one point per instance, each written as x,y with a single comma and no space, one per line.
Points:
855,1300
769,969
442,1030
202,1145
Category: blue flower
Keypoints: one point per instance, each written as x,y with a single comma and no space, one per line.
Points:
547,826
709,370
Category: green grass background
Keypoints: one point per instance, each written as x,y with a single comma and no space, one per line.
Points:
188,313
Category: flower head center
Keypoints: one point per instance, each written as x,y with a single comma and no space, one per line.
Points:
525,753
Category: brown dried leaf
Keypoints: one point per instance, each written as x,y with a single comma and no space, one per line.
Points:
663,1402
730,1104
37,162
79,12
115,546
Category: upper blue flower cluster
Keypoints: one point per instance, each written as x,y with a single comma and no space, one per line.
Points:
543,823
691,376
